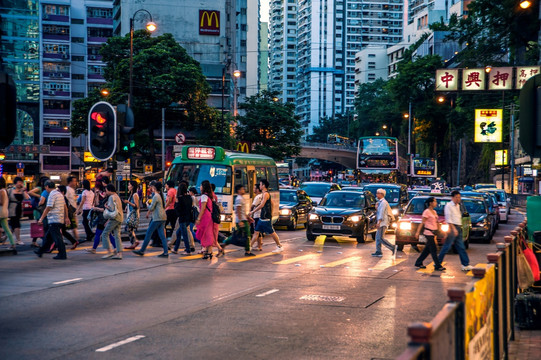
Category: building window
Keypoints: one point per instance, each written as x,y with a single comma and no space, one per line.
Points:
56,104
100,32
56,49
77,21
55,67
52,86
56,30
77,94
94,69
78,76
93,12
56,10
77,40
77,58
243,43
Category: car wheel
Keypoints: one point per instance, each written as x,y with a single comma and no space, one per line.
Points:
293,225
400,247
310,236
364,235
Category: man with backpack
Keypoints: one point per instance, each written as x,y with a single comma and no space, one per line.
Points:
265,220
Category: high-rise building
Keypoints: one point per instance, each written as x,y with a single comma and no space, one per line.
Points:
263,56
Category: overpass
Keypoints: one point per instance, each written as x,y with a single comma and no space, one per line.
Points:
343,155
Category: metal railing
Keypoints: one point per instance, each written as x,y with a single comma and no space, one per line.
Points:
328,146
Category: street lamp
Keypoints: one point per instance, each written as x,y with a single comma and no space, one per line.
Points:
525,4
236,76
150,26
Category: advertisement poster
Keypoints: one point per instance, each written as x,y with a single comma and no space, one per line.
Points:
500,157
479,328
488,125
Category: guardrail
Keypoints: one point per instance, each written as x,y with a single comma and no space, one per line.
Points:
329,146
458,331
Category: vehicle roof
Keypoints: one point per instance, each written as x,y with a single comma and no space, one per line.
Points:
348,192
385,185
426,196
319,182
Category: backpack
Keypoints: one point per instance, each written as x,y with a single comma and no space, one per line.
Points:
215,212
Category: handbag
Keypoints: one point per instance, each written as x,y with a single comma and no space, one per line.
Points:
524,271
422,239
36,230
110,214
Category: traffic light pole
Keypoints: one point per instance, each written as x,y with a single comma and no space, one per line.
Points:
163,141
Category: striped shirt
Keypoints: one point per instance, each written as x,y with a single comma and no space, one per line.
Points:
56,202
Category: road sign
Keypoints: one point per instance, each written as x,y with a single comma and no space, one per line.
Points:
148,169
180,138
177,148
20,165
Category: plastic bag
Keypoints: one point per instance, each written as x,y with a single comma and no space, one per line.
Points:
525,275
532,261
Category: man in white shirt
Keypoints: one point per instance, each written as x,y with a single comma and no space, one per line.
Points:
453,217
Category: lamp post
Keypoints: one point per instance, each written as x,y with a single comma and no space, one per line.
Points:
236,76
151,26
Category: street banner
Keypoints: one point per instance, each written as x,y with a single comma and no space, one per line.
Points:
501,78
446,79
473,79
500,158
488,125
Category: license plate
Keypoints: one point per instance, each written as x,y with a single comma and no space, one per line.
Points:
331,227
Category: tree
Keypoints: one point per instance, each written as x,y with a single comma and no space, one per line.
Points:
340,125
271,125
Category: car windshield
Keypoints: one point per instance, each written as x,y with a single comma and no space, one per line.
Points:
417,206
500,195
475,206
288,196
392,195
195,174
485,186
316,190
343,200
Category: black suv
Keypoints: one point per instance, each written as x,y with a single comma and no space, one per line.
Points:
294,208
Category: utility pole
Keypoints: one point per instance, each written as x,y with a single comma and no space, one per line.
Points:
163,140
512,150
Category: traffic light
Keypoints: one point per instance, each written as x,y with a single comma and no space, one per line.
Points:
102,131
126,122
8,110
530,116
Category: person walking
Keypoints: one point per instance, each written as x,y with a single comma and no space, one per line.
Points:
170,212
157,223
35,196
114,215
453,217
384,216
204,222
4,213
100,199
72,206
242,232
86,204
264,224
16,196
56,213
430,227
183,209
132,213
256,215
71,215
192,191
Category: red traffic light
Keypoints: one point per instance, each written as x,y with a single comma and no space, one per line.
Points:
98,117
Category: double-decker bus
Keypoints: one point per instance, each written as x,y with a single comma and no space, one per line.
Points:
226,169
335,139
381,158
424,167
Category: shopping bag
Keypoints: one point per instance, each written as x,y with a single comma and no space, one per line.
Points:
525,275
36,230
532,261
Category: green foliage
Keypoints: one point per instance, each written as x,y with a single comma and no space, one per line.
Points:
339,125
271,125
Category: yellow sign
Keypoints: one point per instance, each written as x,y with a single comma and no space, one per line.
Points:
500,157
148,169
501,78
209,22
20,172
243,147
87,157
488,125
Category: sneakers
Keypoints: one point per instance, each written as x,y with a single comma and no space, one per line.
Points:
377,254
138,252
278,249
109,255
467,268
91,251
75,245
420,266
395,249
20,242
441,268
249,254
117,256
164,255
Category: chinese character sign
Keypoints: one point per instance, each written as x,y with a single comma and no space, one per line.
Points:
501,79
446,80
202,153
488,125
473,79
525,73
500,157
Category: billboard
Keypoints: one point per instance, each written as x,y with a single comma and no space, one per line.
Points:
424,167
446,79
209,22
500,158
488,125
473,79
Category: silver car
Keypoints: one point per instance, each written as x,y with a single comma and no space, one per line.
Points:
504,201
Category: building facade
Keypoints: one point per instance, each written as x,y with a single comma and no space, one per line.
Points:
369,64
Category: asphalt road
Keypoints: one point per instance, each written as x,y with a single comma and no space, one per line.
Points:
328,299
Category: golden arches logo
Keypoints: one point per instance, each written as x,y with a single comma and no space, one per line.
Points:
243,147
209,15
209,22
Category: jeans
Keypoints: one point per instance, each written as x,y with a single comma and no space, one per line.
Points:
97,237
459,246
112,226
155,226
244,229
54,234
171,220
430,248
183,229
86,224
381,240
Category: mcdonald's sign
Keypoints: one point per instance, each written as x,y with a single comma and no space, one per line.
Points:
209,22
244,147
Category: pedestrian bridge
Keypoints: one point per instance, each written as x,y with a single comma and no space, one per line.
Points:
343,155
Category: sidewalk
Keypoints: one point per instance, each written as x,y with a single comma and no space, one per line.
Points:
527,345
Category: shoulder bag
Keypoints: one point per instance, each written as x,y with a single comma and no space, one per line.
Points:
110,214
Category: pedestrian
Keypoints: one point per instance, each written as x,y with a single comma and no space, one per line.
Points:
453,217
256,215
71,215
170,211
35,196
56,213
430,228
384,217
204,222
157,223
183,208
112,212
242,232
264,225
16,196
72,206
132,213
216,227
192,191
100,199
4,213
85,206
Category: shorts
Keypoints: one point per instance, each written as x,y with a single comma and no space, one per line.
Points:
264,226
15,222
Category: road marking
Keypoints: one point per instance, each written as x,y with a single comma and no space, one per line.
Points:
298,258
200,256
343,261
323,298
248,258
120,343
267,293
386,263
67,281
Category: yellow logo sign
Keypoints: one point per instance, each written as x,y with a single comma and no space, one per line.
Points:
243,147
209,22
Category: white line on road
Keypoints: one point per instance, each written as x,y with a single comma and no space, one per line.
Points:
268,293
67,281
120,343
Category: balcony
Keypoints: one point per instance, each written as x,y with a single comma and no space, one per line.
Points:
59,56
96,39
56,37
100,21
56,18
95,77
56,111
56,93
94,57
57,75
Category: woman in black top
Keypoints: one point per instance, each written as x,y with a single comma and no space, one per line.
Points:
183,209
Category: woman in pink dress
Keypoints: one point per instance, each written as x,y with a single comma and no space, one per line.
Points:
205,226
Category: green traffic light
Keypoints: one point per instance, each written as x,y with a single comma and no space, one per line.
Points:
132,144
125,148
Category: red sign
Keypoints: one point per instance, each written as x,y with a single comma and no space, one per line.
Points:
201,153
209,22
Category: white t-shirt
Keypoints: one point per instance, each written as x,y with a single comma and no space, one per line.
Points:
240,202
257,200
71,196
89,199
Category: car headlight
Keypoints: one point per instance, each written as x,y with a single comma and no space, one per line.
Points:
355,218
482,223
314,217
404,225
445,227
395,211
285,212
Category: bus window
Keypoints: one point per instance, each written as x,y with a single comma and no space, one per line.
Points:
272,177
241,177
260,173
195,174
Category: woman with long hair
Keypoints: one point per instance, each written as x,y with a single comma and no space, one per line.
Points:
16,196
430,228
206,228
4,213
100,199
157,209
132,210
87,201
183,208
